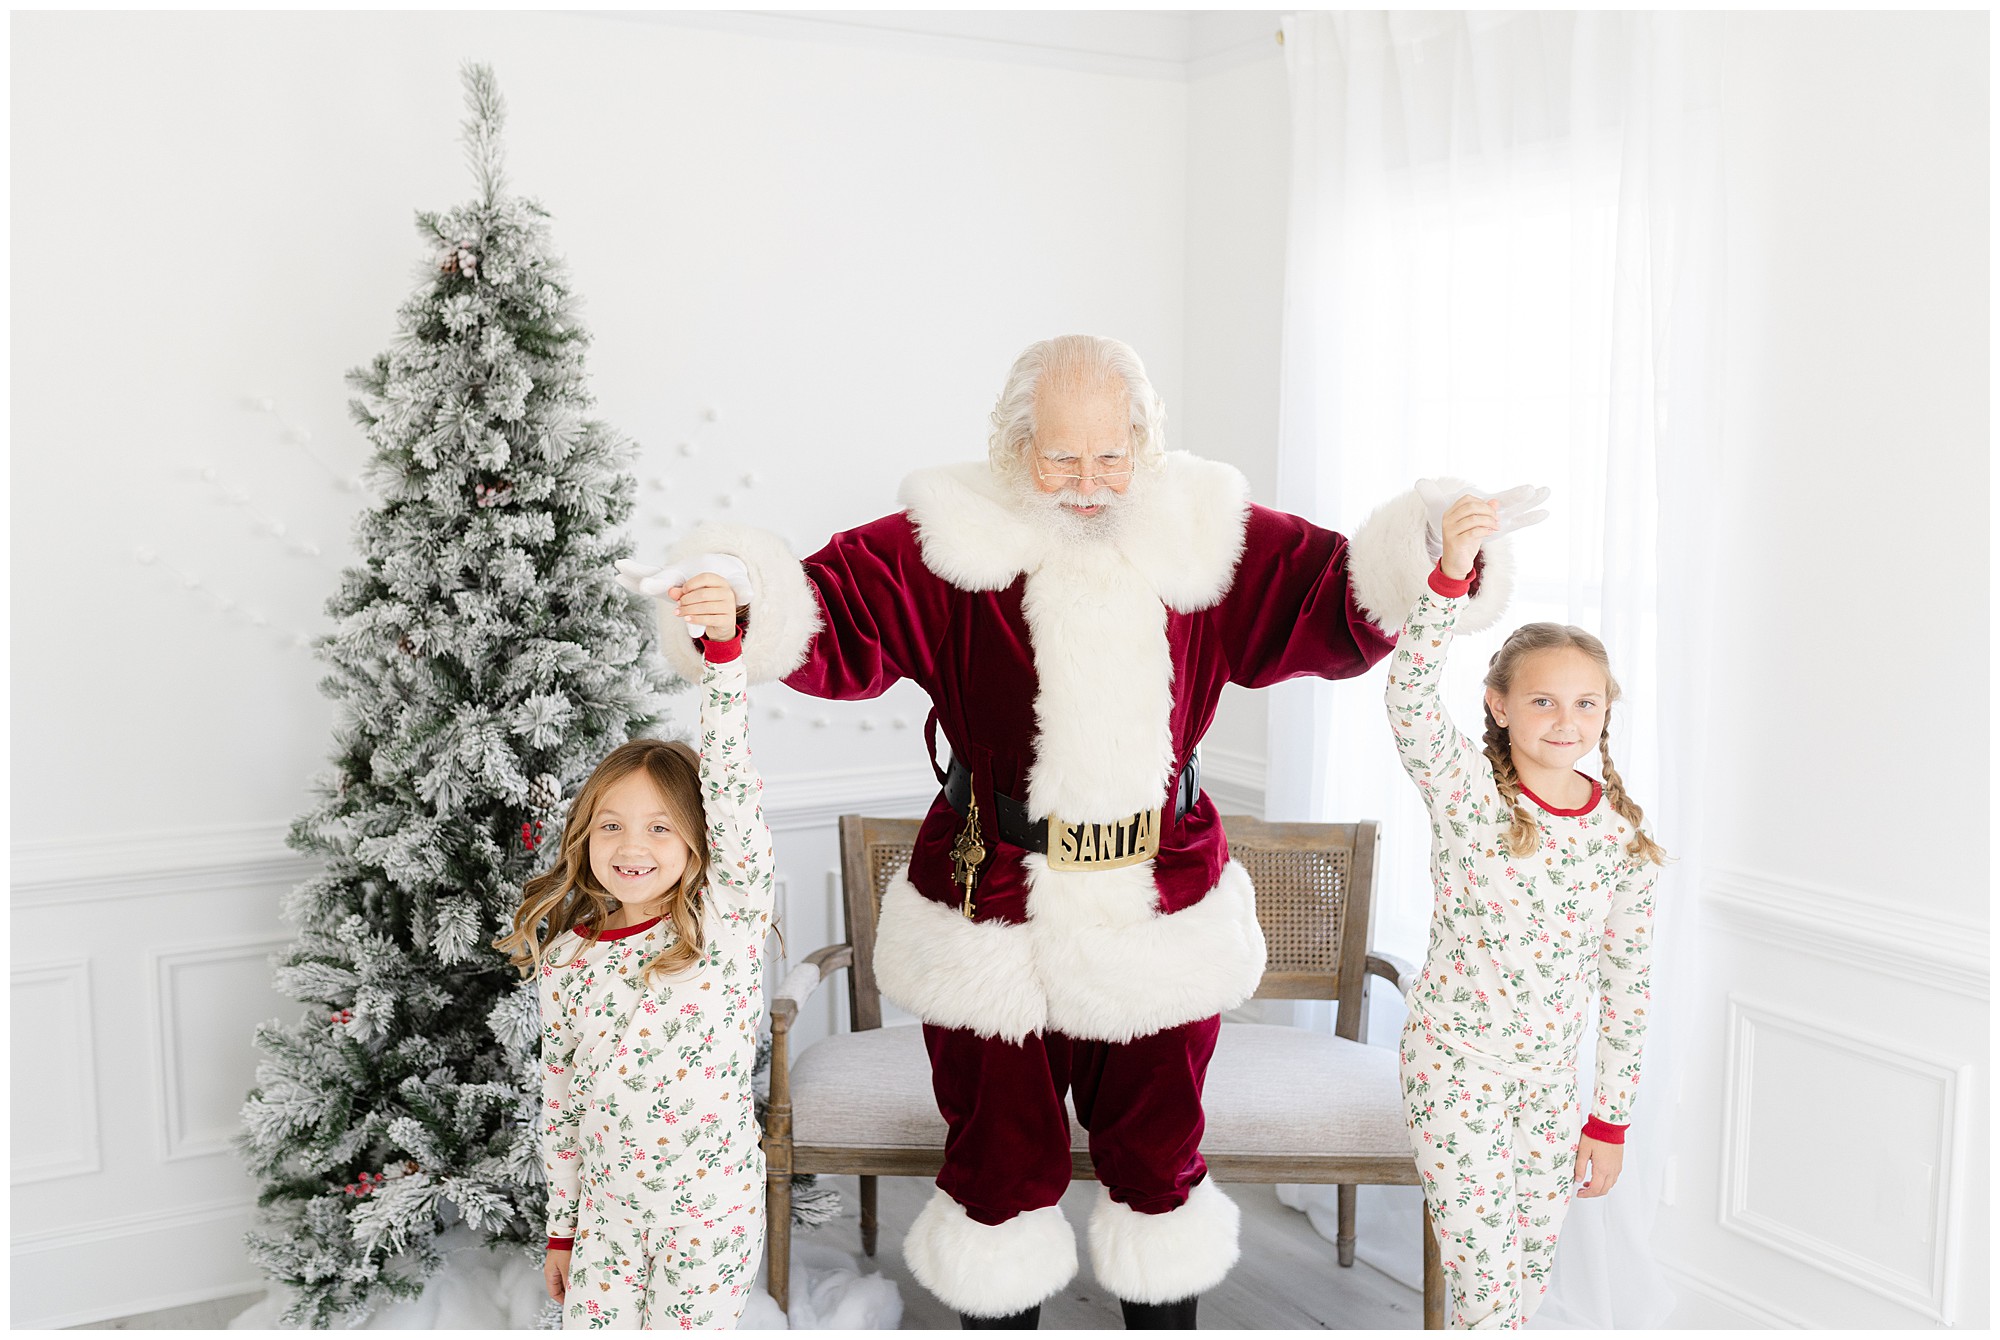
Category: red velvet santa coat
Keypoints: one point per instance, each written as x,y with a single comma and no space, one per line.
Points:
1077,677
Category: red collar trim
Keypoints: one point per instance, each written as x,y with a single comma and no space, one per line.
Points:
1596,791
645,925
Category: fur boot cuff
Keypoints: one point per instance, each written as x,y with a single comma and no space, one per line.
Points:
1161,1258
989,1270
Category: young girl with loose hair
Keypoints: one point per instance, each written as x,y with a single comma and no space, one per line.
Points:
646,939
1543,879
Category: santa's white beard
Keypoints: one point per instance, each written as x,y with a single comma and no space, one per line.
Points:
1051,511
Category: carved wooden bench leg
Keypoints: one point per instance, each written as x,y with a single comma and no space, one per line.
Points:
1344,1243
868,1220
1433,1277
778,1237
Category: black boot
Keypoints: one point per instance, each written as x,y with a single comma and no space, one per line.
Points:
1175,1316
1020,1321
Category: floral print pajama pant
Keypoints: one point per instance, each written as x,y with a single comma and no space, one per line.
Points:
1496,1156
638,1266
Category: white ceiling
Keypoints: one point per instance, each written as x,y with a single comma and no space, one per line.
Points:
1172,44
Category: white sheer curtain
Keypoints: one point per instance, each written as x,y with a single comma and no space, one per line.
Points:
1503,266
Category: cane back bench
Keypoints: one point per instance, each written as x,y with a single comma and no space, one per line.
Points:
1282,1104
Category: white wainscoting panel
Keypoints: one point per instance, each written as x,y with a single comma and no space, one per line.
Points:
59,1278
54,1107
207,998
1804,1105
1878,934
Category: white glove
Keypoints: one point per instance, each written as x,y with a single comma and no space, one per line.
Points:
644,580
1513,504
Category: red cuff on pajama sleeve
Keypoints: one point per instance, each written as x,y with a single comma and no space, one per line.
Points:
562,1244
1604,1130
1451,586
721,653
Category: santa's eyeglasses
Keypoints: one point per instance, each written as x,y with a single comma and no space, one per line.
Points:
1050,469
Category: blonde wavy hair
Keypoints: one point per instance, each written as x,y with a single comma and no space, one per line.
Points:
1523,833
568,895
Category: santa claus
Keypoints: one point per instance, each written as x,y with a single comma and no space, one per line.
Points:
1070,922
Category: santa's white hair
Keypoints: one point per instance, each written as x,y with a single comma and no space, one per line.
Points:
1068,361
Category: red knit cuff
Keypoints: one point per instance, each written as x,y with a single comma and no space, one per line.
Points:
1448,586
562,1244
1604,1131
721,653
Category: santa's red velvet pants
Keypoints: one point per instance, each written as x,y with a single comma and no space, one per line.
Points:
993,1242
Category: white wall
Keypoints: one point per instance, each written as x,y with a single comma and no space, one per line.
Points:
837,239
1833,1166
1239,169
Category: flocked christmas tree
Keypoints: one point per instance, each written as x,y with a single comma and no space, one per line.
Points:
484,659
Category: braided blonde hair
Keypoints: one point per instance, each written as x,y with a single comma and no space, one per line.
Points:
1523,833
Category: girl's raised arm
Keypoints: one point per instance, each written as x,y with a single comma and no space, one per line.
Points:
741,865
1432,749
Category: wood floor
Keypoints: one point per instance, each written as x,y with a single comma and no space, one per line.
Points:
1287,1278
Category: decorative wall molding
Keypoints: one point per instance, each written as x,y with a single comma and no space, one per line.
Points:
99,1231
1234,780
1850,929
248,856
132,1264
1752,1310
1140,45
73,978
1176,46
168,1055
817,800
203,860
1930,1295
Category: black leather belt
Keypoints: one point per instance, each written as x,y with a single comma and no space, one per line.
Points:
1010,816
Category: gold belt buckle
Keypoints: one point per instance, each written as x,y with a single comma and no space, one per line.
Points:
1087,846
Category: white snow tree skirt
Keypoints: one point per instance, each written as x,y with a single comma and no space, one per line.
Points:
489,1289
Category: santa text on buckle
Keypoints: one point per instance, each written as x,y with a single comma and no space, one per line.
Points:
1090,846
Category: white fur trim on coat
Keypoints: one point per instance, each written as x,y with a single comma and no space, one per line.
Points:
784,612
989,1270
1163,1258
960,974
1096,614
1114,968
1390,567
1184,531
1104,692
1095,959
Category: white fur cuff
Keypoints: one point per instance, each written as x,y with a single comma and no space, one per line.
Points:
1390,568
1115,968
1162,1258
990,1270
784,612
956,973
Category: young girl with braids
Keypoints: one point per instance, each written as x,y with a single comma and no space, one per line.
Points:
1543,881
645,939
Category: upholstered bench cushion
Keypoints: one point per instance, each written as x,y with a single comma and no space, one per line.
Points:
1277,1090
866,1090
1270,1090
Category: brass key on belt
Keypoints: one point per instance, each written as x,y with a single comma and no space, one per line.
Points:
967,853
